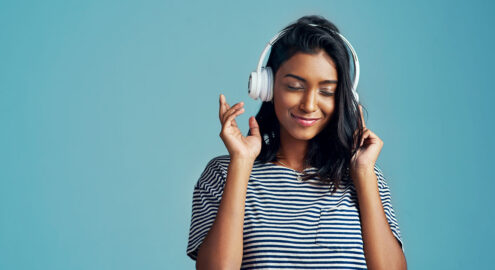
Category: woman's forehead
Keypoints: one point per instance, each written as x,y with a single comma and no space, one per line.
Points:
319,66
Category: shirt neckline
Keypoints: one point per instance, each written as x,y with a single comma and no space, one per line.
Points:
287,168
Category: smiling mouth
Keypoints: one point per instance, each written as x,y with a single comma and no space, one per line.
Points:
306,122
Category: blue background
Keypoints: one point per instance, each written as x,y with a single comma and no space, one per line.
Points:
109,113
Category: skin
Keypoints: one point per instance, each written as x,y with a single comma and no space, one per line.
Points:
223,246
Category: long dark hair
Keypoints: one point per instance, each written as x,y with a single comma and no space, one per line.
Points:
331,150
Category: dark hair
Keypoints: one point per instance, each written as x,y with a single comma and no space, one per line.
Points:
331,150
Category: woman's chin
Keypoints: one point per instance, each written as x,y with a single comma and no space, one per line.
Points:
303,135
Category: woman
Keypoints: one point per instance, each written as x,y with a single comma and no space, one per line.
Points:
302,190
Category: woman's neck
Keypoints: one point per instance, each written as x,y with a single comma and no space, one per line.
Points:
292,151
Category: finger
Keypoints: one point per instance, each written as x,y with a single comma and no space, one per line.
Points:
362,116
233,123
230,119
363,127
221,108
366,134
373,138
224,106
232,110
254,127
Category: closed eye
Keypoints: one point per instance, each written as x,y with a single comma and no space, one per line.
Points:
325,93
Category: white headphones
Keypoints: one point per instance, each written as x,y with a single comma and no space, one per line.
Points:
261,80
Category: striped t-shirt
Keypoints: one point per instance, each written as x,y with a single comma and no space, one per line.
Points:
288,222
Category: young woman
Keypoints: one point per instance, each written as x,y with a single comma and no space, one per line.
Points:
302,190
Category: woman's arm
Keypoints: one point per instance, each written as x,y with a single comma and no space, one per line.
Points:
381,248
222,247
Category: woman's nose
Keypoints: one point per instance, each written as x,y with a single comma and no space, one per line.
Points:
309,101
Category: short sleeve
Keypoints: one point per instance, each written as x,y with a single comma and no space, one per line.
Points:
386,198
206,199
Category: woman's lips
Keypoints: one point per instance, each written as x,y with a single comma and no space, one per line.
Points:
303,122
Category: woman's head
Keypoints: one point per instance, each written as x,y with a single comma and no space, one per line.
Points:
311,59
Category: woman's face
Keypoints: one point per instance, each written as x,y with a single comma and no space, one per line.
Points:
305,87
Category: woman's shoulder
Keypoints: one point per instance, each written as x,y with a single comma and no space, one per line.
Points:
219,164
222,162
382,179
215,172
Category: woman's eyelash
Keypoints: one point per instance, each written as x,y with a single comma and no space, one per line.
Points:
324,92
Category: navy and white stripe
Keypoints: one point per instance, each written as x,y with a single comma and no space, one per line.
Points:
288,223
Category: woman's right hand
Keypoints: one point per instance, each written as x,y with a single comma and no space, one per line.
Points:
236,143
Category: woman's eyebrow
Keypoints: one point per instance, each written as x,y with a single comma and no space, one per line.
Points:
304,80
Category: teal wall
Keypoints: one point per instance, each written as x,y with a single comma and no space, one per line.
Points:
109,113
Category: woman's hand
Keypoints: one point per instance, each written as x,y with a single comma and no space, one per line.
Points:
369,148
236,143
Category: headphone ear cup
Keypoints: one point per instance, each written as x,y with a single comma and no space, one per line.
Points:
253,85
269,77
266,84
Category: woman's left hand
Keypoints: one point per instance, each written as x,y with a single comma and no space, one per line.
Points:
369,148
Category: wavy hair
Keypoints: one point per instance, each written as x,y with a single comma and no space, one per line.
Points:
330,151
